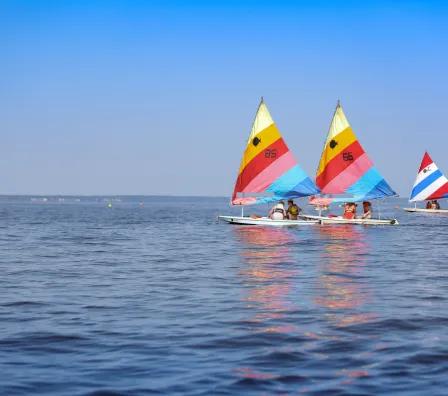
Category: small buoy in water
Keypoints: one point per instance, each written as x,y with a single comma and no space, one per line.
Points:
110,205
396,207
141,203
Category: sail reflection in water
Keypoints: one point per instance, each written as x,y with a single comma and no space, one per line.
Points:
345,293
268,269
342,289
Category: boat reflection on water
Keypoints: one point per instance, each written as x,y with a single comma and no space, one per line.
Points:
346,296
315,317
267,270
341,290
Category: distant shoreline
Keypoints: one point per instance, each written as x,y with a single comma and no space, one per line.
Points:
106,196
109,199
112,198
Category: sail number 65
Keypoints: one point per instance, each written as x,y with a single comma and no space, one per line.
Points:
270,153
347,156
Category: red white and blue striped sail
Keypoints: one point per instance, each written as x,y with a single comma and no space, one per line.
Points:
430,182
269,171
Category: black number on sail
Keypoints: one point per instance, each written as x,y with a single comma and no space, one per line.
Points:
347,156
270,153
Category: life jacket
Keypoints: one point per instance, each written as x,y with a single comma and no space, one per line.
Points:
293,209
279,208
349,215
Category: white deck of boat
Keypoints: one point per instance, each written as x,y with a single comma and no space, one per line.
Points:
411,210
247,220
341,220
304,220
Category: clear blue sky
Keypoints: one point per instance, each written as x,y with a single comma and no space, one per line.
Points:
158,97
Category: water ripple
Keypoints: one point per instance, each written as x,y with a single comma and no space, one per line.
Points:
161,299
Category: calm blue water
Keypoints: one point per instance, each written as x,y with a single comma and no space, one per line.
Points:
162,299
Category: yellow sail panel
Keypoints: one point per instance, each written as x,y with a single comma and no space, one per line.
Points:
258,143
335,146
263,134
262,120
338,124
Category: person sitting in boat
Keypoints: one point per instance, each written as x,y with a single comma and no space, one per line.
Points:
349,211
293,210
428,205
435,205
278,212
368,211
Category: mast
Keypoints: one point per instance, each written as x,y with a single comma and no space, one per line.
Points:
253,122
326,137
325,145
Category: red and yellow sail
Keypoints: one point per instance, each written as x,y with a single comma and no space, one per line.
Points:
345,168
269,171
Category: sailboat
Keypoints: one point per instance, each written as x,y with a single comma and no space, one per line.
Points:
268,173
430,184
346,174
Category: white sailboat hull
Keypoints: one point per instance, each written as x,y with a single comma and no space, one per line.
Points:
341,220
265,221
411,210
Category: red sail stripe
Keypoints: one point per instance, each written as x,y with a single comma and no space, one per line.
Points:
439,193
260,162
264,179
350,175
337,165
425,162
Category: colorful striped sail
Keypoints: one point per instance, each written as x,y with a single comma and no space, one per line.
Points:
269,171
430,182
345,169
